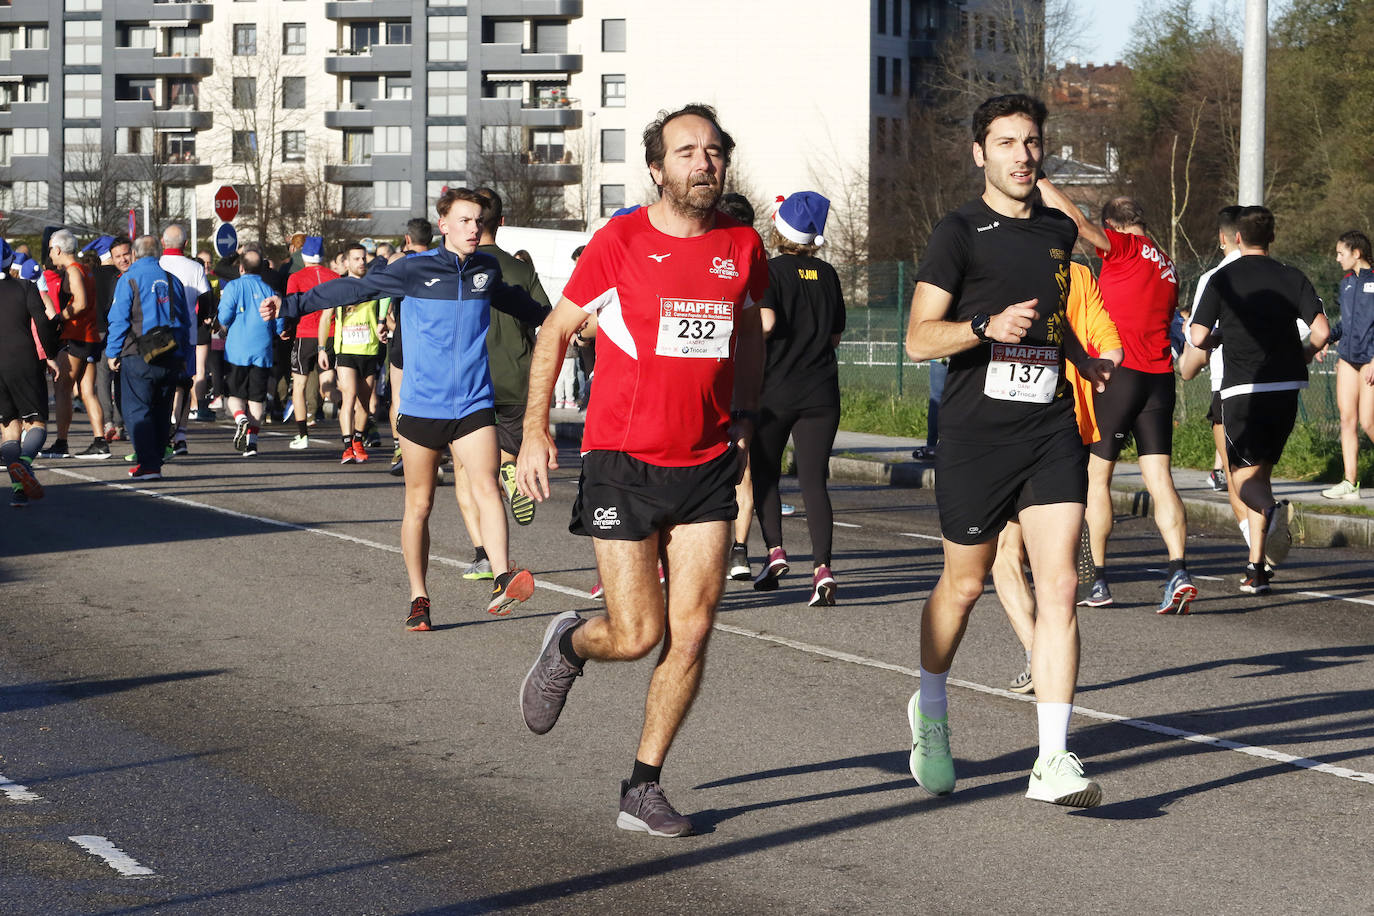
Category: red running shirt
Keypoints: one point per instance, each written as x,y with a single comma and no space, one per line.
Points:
1140,287
666,310
303,280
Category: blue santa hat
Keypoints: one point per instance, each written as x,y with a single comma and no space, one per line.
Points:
7,255
28,269
101,246
800,217
313,249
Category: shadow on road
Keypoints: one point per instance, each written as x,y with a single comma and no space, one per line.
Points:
38,694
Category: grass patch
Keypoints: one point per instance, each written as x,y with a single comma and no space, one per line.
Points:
1335,507
866,411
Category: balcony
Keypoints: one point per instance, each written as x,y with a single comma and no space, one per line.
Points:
537,113
922,48
155,10
30,61
28,168
514,58
26,114
25,11
377,59
178,169
533,9
376,113
143,62
349,173
555,172
345,10
182,119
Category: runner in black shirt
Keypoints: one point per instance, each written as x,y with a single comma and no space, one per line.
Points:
1256,301
991,295
23,388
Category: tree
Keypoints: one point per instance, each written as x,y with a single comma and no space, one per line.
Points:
531,192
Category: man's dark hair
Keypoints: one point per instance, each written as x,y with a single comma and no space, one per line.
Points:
452,195
1357,242
1256,226
419,231
121,240
349,246
654,151
738,206
577,252
1226,219
999,106
491,210
1124,211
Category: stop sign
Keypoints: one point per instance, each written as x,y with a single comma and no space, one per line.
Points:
226,203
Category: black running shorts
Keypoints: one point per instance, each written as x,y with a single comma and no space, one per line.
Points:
620,498
84,350
23,392
1214,409
394,354
364,365
247,383
203,334
1139,403
1257,426
439,434
510,427
304,355
979,488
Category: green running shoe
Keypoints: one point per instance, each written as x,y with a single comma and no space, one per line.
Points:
521,506
1060,781
931,762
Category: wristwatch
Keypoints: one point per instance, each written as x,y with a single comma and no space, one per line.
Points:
979,324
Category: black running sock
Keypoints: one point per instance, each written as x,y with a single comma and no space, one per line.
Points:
1176,565
347,441
739,545
643,773
1099,572
302,428
565,646
479,554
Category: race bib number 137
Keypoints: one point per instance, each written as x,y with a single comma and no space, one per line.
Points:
695,328
1018,373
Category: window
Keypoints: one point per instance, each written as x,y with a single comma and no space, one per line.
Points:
398,33
392,140
6,147
31,195
248,199
448,92
446,148
357,147
546,146
36,37
79,200
397,88
363,35
613,35
612,198
880,136
293,38
136,36
550,37
180,147
245,146
293,146
35,90
357,200
183,94
293,199
130,141
363,89
896,76
245,39
613,146
977,31
6,198
81,150
434,190
882,76
391,195
30,141
897,17
245,92
882,17
503,32
501,138
82,42
184,42
448,38
176,201
8,39
135,89
293,92
502,89
613,90
81,95
82,6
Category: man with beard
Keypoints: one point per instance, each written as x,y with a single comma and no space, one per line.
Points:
991,294
673,286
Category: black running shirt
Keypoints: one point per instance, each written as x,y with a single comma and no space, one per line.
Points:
1002,393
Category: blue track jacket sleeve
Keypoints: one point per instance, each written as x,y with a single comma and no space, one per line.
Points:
383,282
118,318
229,303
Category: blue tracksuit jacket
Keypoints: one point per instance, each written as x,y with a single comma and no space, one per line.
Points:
147,297
250,339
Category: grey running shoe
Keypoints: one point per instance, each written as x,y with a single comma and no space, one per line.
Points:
479,569
1280,539
550,678
739,564
1023,682
241,434
1179,593
1099,596
645,808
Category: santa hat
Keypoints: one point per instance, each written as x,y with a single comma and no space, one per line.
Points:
800,217
7,255
101,246
312,249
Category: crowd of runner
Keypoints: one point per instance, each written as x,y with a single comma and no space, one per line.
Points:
709,357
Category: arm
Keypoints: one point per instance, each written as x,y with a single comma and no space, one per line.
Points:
78,286
538,453
228,305
120,311
1097,370
47,334
1087,231
748,381
1321,332
519,304
768,319
930,336
389,281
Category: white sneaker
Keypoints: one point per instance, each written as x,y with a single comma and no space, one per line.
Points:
1279,541
1343,490
299,442
1060,781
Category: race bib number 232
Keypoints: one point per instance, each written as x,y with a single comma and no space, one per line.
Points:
695,328
1019,373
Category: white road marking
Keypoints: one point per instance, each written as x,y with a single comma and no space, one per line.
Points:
845,525
114,857
17,793
1141,724
1327,596
924,537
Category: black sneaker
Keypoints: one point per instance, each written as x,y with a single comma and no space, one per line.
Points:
1254,582
546,686
418,619
508,589
645,808
18,498
1217,479
180,448
774,570
98,449
58,449
738,568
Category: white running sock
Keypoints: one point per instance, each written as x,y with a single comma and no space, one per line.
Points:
934,703
1053,719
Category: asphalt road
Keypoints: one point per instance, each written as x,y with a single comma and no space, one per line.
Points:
209,675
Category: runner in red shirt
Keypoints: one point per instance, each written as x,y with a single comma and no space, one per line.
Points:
306,346
673,287
1140,287
74,294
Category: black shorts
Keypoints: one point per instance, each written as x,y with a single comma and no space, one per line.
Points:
1257,426
247,383
1214,409
304,355
394,353
439,434
620,498
203,334
84,350
1138,403
510,427
366,366
23,392
979,488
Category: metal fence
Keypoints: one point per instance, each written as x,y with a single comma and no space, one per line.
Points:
878,297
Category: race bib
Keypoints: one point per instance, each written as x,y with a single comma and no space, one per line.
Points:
357,335
695,328
1017,373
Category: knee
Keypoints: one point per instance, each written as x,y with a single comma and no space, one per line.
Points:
634,639
963,590
687,640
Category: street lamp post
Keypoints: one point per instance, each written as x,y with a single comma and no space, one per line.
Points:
1250,181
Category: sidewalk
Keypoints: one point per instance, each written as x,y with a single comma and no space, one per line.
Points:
886,460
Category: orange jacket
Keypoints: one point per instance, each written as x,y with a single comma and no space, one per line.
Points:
1087,314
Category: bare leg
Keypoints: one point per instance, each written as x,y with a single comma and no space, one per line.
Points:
420,465
945,615
477,452
466,506
744,496
1348,387
1054,661
348,384
1237,507
1009,578
62,391
1099,510
1252,483
85,378
1169,516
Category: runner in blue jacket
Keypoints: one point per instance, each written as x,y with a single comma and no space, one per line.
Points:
248,348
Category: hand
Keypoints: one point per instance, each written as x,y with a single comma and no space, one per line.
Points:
1320,355
1367,373
113,362
1011,324
269,308
382,334
322,357
538,455
1098,372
